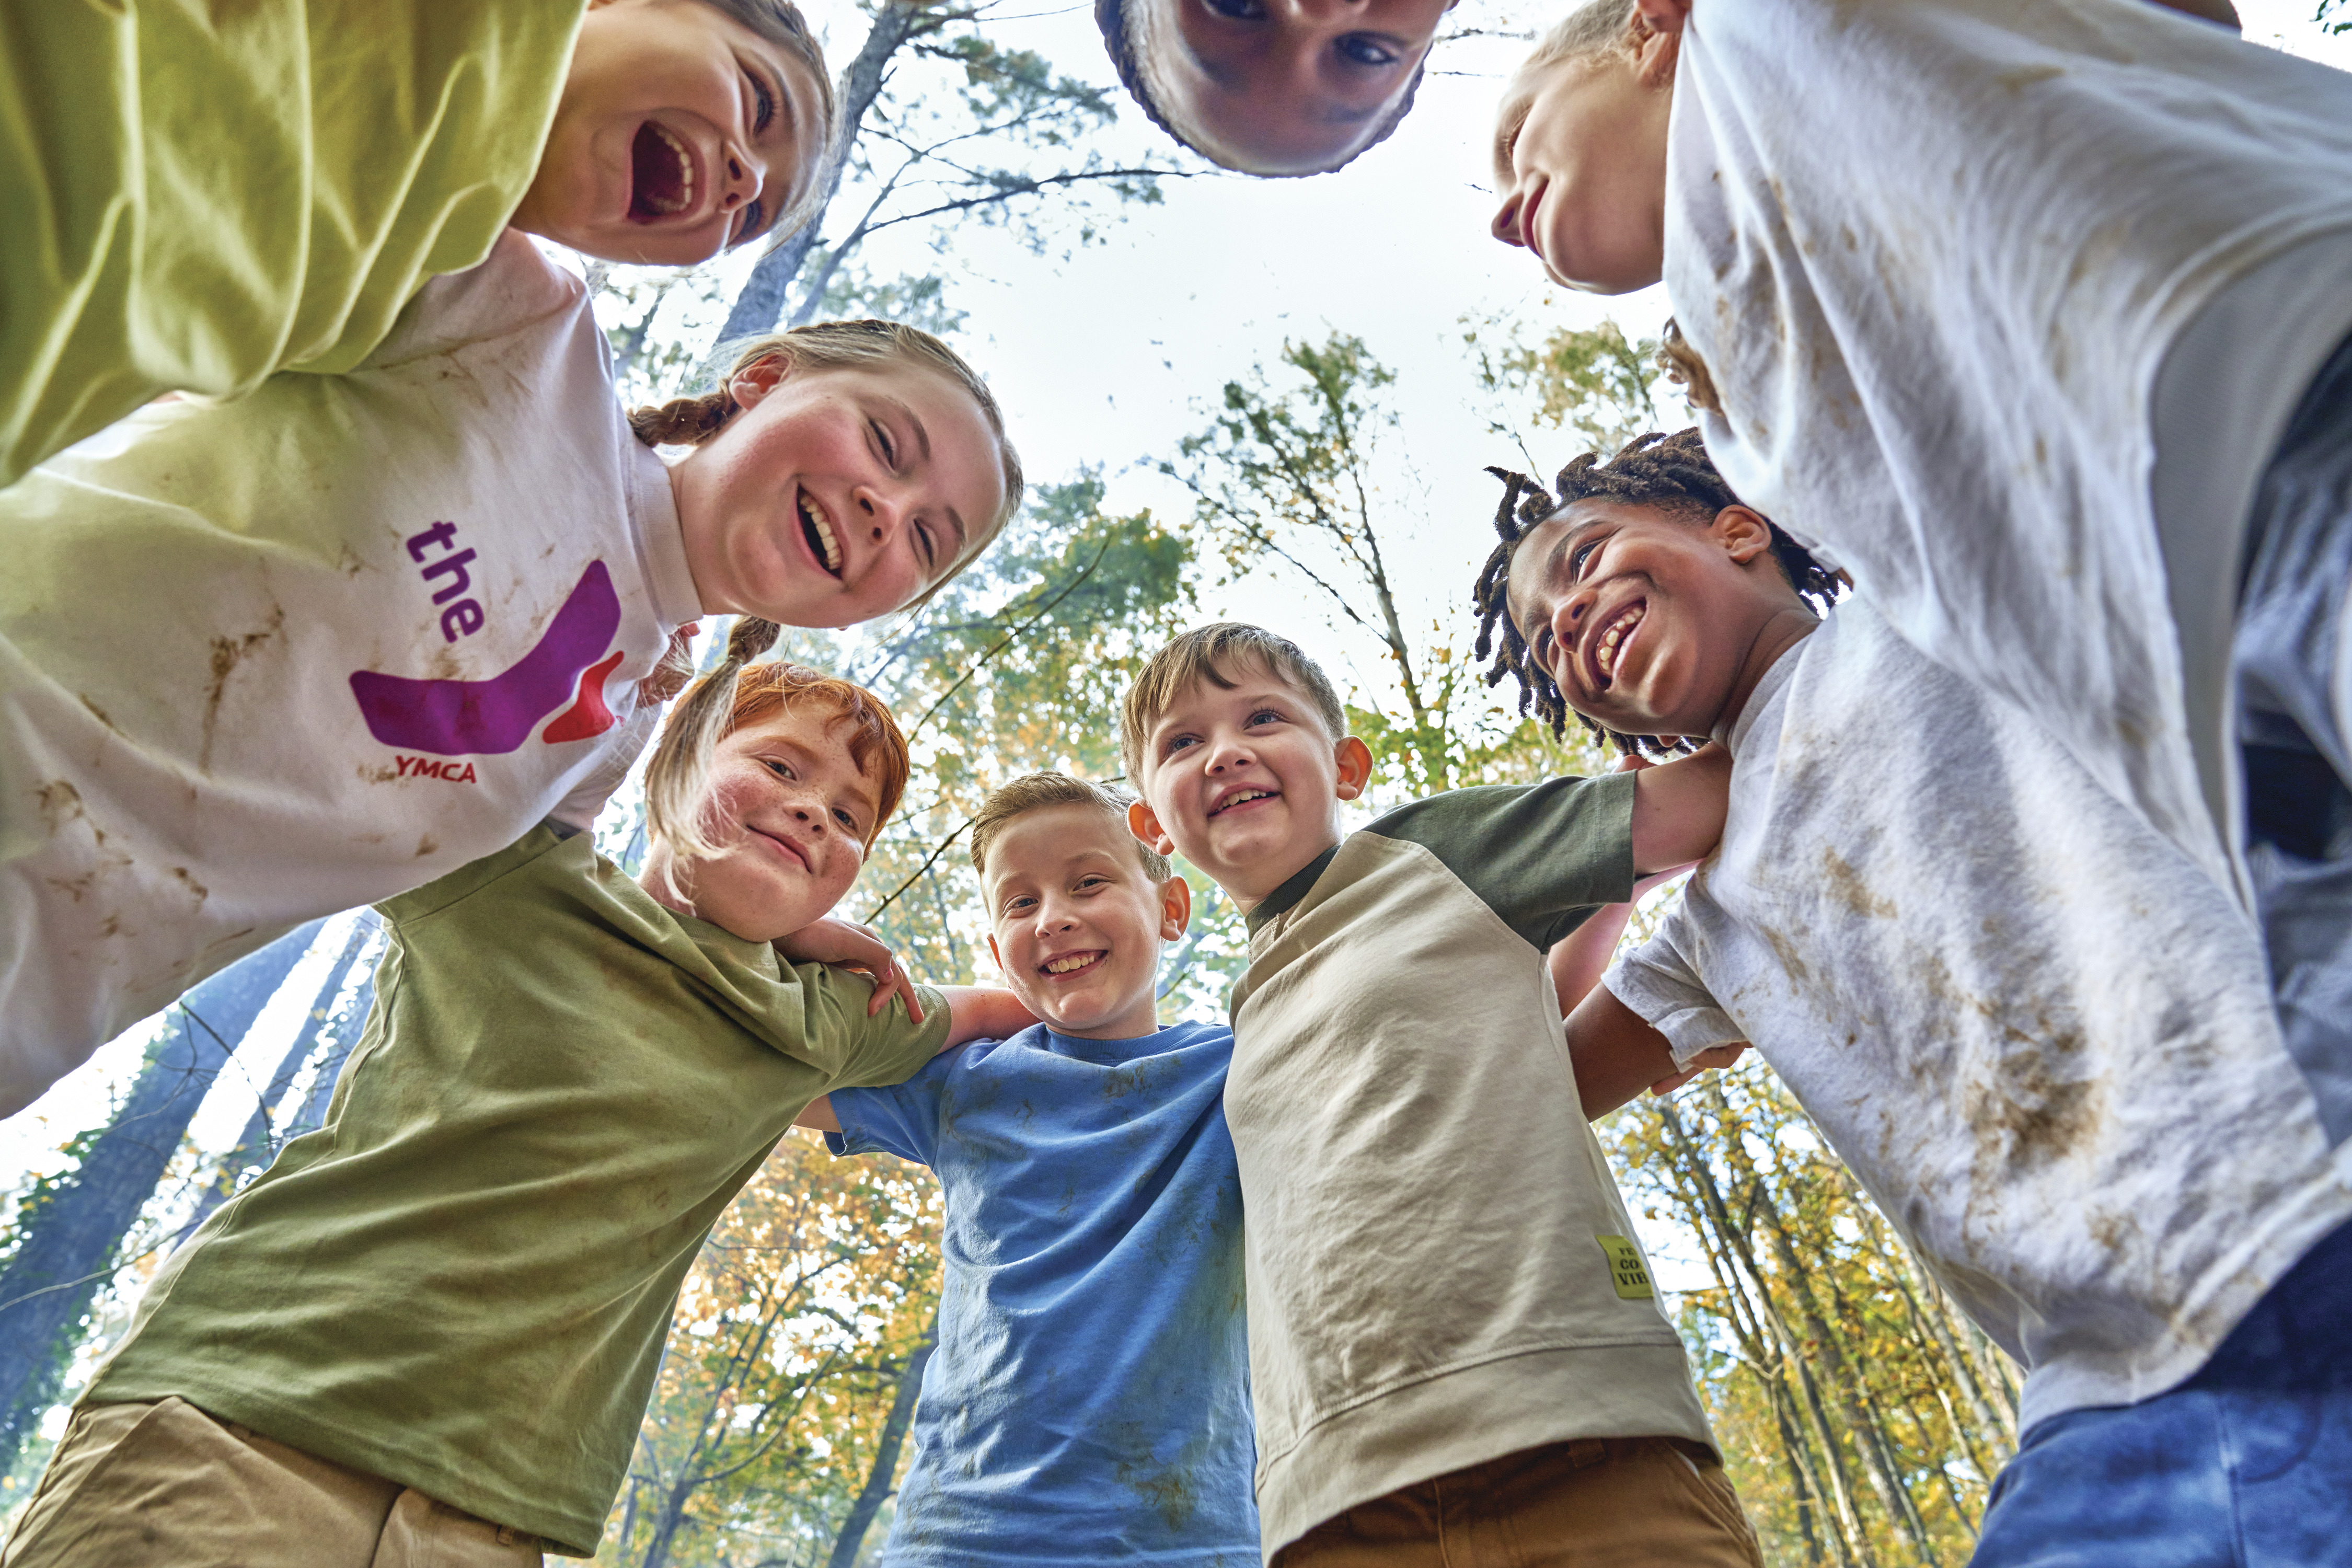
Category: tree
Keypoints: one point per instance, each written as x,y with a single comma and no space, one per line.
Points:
940,122
69,1229
781,1383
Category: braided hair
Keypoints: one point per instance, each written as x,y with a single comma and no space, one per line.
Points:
692,733
1672,473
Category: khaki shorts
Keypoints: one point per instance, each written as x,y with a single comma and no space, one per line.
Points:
1602,1502
166,1486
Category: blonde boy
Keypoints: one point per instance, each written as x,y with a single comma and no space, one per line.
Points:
1456,1351
1088,1402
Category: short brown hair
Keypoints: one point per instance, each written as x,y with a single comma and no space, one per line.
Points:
1205,653
1035,791
739,692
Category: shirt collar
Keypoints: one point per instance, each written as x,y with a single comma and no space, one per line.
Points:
1290,893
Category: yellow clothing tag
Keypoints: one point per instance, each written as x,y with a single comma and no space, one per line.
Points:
1626,1270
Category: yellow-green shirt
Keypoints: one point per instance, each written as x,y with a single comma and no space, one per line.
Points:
199,193
462,1280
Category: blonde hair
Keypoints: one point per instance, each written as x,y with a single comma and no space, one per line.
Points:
740,692
844,345
1035,791
1206,653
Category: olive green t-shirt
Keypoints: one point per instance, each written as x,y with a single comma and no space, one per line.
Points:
199,194
462,1280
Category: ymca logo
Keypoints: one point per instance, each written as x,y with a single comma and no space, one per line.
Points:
492,717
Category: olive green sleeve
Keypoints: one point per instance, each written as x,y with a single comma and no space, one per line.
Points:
1543,856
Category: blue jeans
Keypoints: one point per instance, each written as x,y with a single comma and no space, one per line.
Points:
2247,1465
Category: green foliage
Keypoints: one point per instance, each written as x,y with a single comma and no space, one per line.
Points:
1593,383
2335,9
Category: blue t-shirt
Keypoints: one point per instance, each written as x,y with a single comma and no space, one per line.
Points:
1089,1398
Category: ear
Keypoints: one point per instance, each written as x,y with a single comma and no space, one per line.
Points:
1175,908
758,379
1743,533
1144,825
1657,29
1355,767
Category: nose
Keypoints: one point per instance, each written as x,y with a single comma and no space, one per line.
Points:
1314,11
1229,751
1567,616
743,174
881,513
1505,227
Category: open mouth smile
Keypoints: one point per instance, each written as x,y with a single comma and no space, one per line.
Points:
818,531
1072,964
1241,797
1607,645
662,176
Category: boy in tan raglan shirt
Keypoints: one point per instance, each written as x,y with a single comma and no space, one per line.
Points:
1455,1351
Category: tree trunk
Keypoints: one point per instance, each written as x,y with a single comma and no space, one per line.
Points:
254,1145
70,1240
760,305
313,1114
886,1453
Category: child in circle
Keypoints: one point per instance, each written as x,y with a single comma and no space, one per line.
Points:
201,194
1455,1348
357,631
436,1320
1089,1401
1273,88
2040,1040
2032,320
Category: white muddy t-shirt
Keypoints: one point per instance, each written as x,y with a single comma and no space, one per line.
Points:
1936,256
2034,1028
269,658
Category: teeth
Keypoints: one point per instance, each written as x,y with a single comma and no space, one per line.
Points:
824,535
1075,960
1244,798
1619,629
685,173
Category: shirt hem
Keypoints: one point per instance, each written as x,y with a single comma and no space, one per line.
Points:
298,1429
1458,1419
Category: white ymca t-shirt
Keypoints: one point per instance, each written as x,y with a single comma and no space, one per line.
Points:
269,658
1937,255
2032,1027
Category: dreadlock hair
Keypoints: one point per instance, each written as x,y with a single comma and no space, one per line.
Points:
1671,473
1125,36
844,345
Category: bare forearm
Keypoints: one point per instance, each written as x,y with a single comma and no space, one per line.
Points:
1615,1052
1678,809
982,1013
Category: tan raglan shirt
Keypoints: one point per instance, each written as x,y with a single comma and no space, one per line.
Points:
1440,1268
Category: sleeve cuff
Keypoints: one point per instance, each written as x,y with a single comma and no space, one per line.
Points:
1687,1017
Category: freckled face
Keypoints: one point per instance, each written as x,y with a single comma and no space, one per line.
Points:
1244,783
790,812
680,132
1285,87
1644,617
1581,161
836,496
1077,925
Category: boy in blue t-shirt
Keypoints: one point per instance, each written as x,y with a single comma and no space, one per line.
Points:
1089,1398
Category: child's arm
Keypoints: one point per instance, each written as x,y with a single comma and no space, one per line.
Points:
1617,1055
1579,959
1678,809
974,1013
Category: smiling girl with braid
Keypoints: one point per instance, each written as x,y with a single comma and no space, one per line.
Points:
2037,1034
386,621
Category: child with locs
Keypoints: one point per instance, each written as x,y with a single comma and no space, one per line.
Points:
1455,1351
1089,1401
2040,1038
360,630
203,193
428,1332
2033,319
